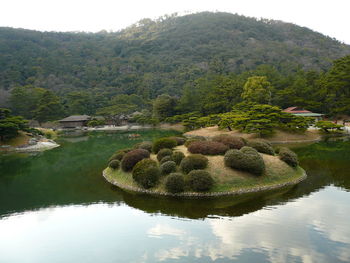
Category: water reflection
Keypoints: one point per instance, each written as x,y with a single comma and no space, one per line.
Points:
310,229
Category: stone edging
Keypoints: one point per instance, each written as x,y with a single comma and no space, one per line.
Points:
195,194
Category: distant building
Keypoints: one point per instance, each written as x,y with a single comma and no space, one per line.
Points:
297,111
75,121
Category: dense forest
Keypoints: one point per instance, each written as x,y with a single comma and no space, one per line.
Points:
200,61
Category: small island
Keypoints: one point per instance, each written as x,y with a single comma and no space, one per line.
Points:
200,167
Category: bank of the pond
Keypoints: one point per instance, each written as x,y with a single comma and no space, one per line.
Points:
279,137
125,181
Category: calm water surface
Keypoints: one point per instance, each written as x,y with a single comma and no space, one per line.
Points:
56,207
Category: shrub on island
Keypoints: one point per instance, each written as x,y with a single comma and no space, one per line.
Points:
146,173
166,159
262,146
200,180
144,145
207,147
179,140
175,183
231,141
118,155
177,157
131,158
288,156
167,167
163,143
246,159
114,164
164,152
193,162
194,139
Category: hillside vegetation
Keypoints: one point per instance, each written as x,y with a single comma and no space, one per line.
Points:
152,57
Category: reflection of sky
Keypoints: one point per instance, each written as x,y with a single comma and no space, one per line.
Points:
311,229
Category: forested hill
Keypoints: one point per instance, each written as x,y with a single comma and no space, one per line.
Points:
155,57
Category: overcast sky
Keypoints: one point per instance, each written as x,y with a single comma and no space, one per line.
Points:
330,17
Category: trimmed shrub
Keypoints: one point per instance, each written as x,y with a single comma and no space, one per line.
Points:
114,164
165,159
167,167
164,152
133,157
194,139
118,155
175,183
246,159
231,142
163,143
193,162
146,173
262,146
177,157
200,180
207,147
144,145
288,156
179,140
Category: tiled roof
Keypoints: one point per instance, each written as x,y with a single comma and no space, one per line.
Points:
76,118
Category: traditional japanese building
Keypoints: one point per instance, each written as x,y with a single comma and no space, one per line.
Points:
75,121
297,111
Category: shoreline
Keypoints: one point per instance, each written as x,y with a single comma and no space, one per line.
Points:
212,194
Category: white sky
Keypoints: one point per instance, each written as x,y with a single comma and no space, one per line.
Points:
330,17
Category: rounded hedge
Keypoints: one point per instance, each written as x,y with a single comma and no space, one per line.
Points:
207,147
146,173
288,156
144,145
177,157
133,157
232,142
246,159
167,167
118,155
114,164
193,162
164,152
165,159
179,140
262,146
175,183
200,180
193,139
163,143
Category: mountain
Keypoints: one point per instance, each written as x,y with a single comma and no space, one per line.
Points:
159,56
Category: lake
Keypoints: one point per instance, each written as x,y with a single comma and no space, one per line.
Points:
56,207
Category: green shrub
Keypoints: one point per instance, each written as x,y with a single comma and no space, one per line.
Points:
262,146
193,162
200,180
165,159
231,141
118,155
175,183
114,164
194,139
133,157
288,156
177,157
207,147
144,145
179,140
163,143
164,152
246,159
167,167
146,173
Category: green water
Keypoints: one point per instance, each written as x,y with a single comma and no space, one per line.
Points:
56,207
